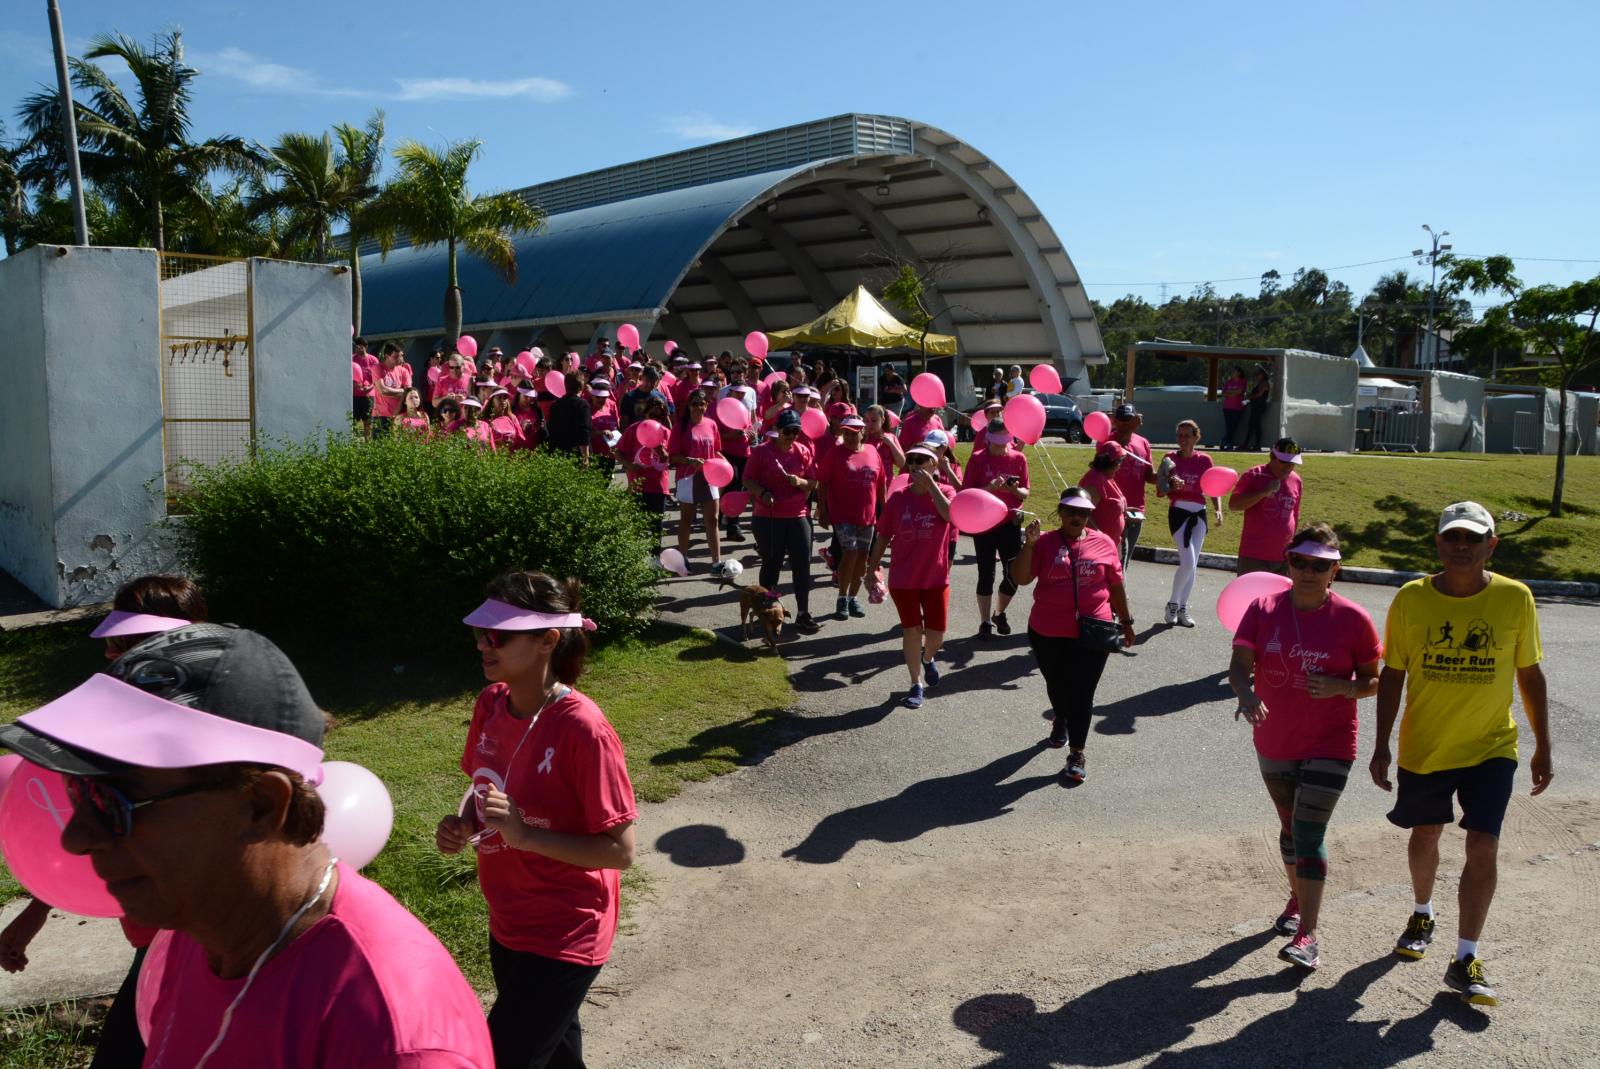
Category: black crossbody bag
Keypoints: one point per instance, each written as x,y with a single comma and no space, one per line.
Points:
1093,632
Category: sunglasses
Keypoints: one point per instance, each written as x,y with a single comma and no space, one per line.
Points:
1458,535
113,809
1309,564
493,636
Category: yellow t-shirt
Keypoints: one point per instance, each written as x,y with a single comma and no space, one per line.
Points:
1460,656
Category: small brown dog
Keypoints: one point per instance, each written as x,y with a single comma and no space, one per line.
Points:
758,604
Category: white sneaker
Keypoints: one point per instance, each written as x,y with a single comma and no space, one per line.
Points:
1172,613
1184,619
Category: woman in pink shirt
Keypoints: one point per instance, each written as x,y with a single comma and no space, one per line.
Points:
780,475
504,429
916,523
894,458
851,483
648,476
780,398
1080,575
550,812
1234,388
1301,660
694,441
412,419
1178,480
470,426
1110,505
1002,471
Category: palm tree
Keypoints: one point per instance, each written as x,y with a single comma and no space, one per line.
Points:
360,160
13,192
308,191
139,155
430,204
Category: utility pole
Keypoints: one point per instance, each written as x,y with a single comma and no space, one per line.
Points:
69,124
1432,257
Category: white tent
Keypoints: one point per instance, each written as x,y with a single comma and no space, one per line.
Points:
1360,356
1385,393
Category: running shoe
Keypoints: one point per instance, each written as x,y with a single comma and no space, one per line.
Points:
841,607
1301,951
718,570
1184,619
1413,942
913,698
1057,737
1171,616
1001,624
734,535
1466,976
827,558
854,608
1077,769
930,672
806,624
1288,922
985,631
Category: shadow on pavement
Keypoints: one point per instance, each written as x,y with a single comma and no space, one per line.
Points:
700,846
758,736
1149,1012
1119,718
942,802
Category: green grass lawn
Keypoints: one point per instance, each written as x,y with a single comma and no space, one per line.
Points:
686,706
1385,506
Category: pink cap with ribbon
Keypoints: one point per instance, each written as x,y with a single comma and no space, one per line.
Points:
119,624
504,616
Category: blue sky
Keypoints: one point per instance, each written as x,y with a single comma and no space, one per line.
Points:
1165,142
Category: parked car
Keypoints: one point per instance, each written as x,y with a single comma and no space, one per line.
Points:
1061,417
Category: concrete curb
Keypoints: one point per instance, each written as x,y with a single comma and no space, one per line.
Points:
1559,588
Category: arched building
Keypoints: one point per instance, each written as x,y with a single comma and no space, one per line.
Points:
762,233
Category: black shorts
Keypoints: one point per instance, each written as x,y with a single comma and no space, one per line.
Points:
1484,791
361,407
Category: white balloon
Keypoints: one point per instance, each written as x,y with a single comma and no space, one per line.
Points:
360,813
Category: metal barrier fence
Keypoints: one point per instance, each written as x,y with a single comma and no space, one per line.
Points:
208,363
1525,433
1396,430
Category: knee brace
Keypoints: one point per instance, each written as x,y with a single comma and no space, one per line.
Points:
1286,847
1310,850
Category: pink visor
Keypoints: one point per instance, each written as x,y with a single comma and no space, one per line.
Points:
1316,549
119,624
107,717
503,616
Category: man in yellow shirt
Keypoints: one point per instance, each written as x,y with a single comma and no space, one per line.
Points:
1454,644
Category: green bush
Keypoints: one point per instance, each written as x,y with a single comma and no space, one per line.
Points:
395,538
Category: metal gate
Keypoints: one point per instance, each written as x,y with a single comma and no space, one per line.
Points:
208,394
1396,430
1525,436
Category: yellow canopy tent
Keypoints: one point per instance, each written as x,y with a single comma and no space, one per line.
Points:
860,322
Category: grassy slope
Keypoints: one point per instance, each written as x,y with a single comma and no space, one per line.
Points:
1384,507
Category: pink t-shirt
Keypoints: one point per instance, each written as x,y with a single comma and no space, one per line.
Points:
1133,476
916,426
460,385
477,432
886,451
920,559
699,440
680,391
983,465
1108,516
387,405
1233,394
854,482
1099,568
565,771
506,432
1291,645
373,365
360,383
645,480
769,468
1189,469
1272,521
366,985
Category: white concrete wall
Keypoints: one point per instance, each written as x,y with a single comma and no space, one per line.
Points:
302,324
27,532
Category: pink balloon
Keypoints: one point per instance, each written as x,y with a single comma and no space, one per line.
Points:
1045,378
732,414
670,348
652,433
360,814
774,376
673,562
1217,481
555,382
927,390
976,511
899,482
718,472
1025,417
980,420
814,423
352,330
733,502
1237,596
755,343
668,381
1097,425
467,346
628,335
34,811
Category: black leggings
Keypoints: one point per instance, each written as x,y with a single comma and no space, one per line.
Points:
121,1046
1255,413
777,539
656,506
1071,674
1004,541
730,522
534,1022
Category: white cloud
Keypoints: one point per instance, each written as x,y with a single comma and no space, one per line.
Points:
258,73
698,126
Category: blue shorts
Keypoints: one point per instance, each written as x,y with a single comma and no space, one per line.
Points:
1423,798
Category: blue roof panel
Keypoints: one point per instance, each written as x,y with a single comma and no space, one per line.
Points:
613,257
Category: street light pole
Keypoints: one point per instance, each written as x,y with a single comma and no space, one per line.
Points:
69,125
1433,279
